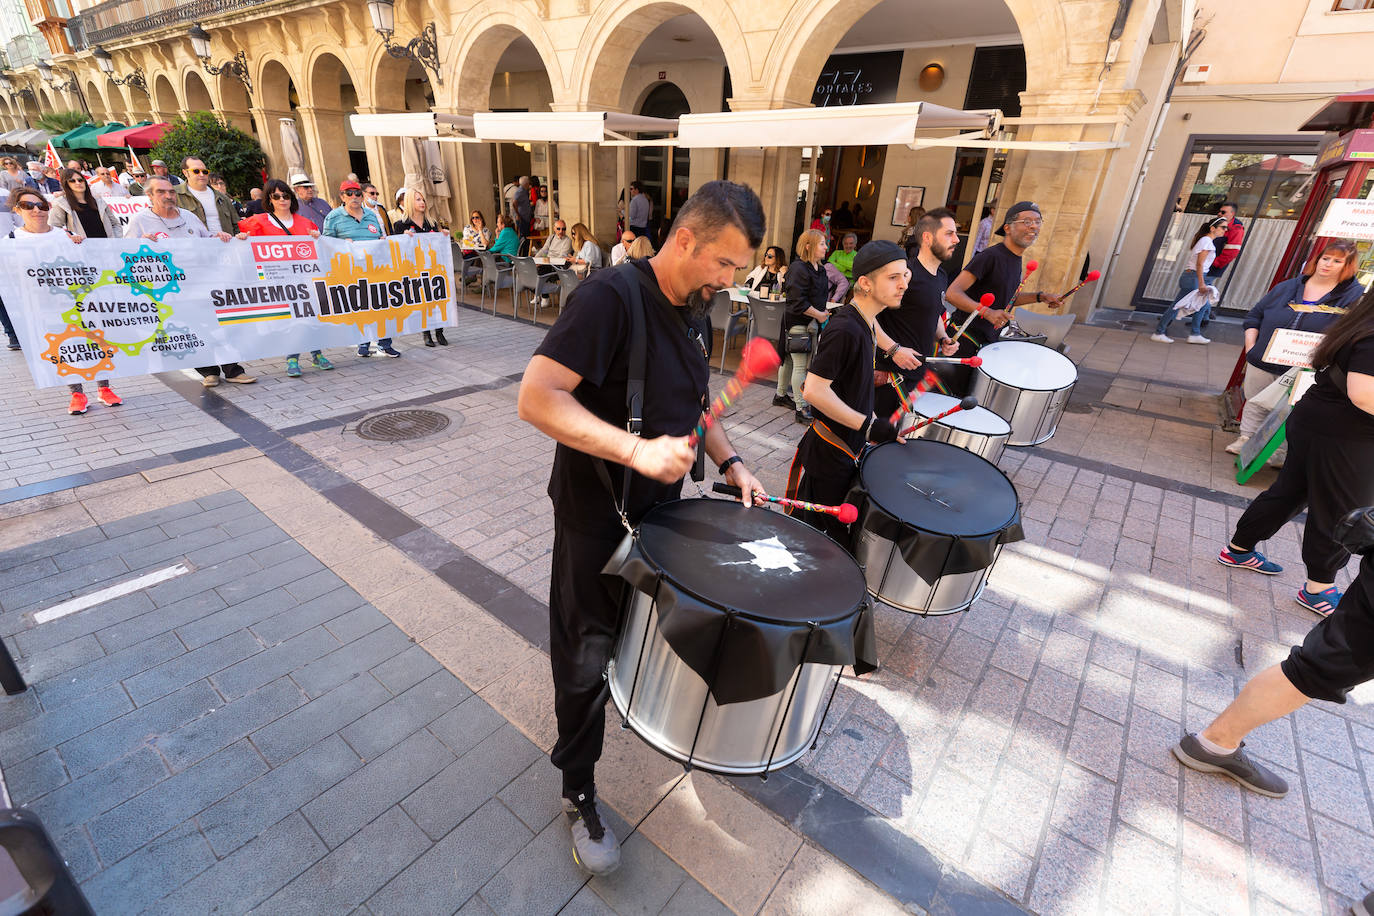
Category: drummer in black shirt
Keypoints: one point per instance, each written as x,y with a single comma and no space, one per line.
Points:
574,390
919,322
997,270
839,387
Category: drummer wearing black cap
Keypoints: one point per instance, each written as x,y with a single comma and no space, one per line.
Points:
839,387
575,390
997,270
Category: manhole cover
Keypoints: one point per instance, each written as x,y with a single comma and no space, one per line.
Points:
399,425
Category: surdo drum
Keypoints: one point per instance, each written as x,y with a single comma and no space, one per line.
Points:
1027,385
932,520
978,430
735,626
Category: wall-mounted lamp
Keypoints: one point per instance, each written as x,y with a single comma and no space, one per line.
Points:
105,62
932,77
423,48
236,66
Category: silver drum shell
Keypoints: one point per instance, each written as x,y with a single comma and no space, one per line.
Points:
893,582
986,445
667,700
1033,413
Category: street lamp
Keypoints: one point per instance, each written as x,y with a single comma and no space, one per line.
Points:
134,80
423,48
236,66
49,74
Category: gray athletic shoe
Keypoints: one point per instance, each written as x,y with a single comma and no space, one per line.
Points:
594,845
1237,765
1364,907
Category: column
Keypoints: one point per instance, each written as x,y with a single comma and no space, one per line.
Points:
269,138
322,129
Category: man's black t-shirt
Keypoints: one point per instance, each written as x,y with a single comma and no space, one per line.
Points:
995,270
845,355
912,324
1328,411
592,338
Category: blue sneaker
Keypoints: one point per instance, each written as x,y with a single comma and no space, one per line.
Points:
1248,559
364,350
1321,603
390,351
293,367
320,362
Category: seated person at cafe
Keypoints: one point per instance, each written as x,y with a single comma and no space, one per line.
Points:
507,242
769,275
622,247
557,245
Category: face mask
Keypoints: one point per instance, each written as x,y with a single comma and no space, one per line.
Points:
825,219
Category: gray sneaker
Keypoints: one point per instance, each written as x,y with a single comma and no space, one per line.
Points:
1237,765
594,845
1364,907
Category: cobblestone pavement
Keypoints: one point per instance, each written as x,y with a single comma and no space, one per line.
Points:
1024,742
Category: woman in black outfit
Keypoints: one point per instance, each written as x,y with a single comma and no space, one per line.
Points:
80,212
807,288
1330,466
416,219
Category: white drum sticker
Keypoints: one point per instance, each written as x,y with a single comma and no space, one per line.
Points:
770,554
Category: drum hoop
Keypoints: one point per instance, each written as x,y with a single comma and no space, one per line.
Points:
664,575
992,378
1016,510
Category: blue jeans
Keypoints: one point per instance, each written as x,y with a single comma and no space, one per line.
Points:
1186,284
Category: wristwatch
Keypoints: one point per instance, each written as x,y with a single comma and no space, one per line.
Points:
725,465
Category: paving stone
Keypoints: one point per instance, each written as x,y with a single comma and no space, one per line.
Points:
351,804
464,785
269,664
356,623
416,708
80,800
343,663
456,867
117,737
199,581
55,633
541,878
167,861
209,627
1068,878
692,899
645,882
241,816
1149,802
228,724
129,826
404,671
176,673
1338,792
129,633
241,589
40,732
535,795
1096,743
354,871
322,716
35,777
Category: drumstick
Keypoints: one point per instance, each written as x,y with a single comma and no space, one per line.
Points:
967,403
1031,267
847,513
758,358
927,381
985,301
955,360
1092,276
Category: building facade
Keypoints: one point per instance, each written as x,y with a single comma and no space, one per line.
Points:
1091,70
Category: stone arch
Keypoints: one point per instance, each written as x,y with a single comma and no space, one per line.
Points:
195,92
45,99
275,84
7,115
325,77
473,64
613,37
330,95
165,99
95,99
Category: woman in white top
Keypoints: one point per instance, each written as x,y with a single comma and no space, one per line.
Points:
476,235
769,276
588,248
34,208
1200,257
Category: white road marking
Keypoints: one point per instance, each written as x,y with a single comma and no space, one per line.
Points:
108,594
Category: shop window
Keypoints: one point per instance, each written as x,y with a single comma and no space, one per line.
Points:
997,79
1268,180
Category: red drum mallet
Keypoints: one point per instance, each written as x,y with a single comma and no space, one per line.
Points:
1093,276
967,403
985,301
974,361
1031,267
758,358
927,382
847,513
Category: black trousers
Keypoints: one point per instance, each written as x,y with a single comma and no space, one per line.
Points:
228,370
584,610
825,483
1326,476
5,322
1338,653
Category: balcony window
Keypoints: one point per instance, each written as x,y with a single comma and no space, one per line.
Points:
1343,6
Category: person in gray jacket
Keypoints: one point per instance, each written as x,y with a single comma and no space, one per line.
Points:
81,213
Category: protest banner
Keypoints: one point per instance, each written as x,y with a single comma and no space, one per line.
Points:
124,208
109,308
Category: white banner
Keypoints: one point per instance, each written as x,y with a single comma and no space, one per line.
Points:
108,308
1348,219
125,207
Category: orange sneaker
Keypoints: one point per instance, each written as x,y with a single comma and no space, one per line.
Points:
78,403
108,397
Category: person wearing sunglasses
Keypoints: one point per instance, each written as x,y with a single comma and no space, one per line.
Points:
211,207
768,276
476,235
81,212
372,199
358,223
33,208
105,185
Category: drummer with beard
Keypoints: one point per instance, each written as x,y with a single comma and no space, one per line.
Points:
919,322
997,270
839,388
574,390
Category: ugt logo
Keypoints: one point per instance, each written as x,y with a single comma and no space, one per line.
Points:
283,251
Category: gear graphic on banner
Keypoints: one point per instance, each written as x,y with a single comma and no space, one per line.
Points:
78,351
122,314
150,272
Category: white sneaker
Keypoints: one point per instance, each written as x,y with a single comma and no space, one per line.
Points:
544,302
1198,339
1160,338
595,847
1235,447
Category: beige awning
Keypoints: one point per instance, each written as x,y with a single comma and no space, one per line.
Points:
849,125
426,124
610,128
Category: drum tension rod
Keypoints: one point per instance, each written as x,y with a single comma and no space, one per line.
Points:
812,626
710,686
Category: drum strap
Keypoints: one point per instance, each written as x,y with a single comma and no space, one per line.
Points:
828,435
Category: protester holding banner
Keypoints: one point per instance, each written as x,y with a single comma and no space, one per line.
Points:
80,212
1311,302
165,220
1330,453
284,219
33,207
211,207
358,223
416,219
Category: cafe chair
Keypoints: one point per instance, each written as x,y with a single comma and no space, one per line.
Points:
731,324
497,276
529,279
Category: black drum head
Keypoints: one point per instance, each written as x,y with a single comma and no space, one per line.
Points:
937,487
755,561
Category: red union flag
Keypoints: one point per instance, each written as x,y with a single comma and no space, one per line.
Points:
283,251
50,160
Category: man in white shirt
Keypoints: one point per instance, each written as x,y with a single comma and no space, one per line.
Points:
104,185
558,244
213,208
621,250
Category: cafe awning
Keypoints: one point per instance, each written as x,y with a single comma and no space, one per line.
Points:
115,138
428,125
1350,109
140,137
60,140
87,137
33,139
609,128
846,125
11,137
